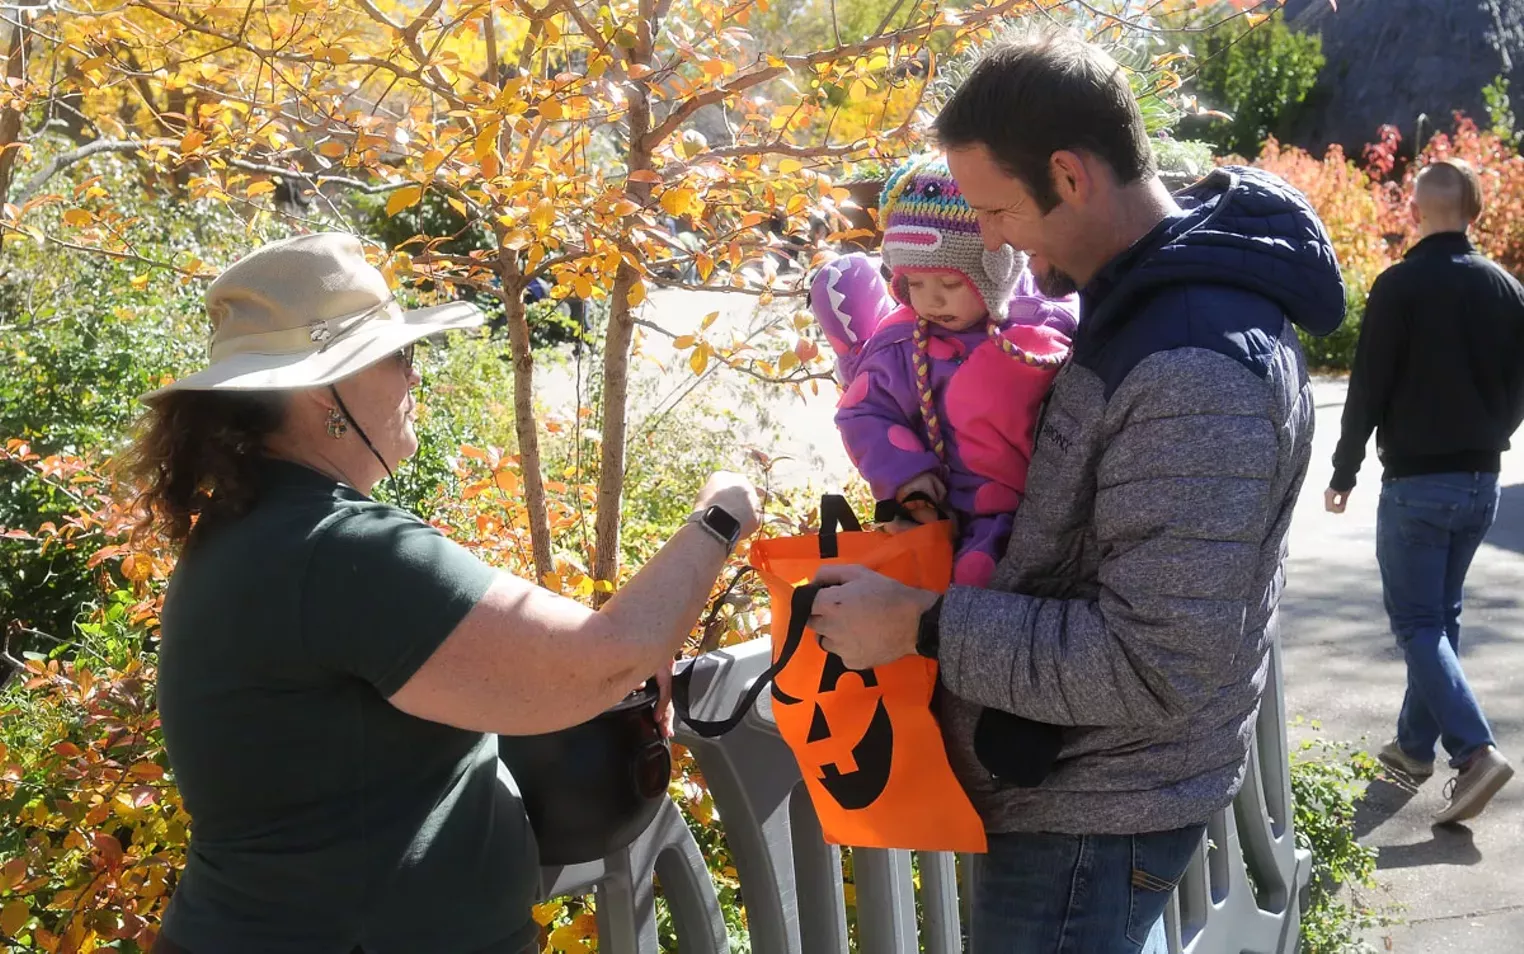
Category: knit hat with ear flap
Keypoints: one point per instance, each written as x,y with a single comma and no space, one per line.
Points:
927,224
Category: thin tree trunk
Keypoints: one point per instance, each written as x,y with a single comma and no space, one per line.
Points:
523,373
11,119
523,410
616,349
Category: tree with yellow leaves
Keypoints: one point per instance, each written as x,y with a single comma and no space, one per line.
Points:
575,132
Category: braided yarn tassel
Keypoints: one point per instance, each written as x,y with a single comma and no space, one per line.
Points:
1010,348
923,390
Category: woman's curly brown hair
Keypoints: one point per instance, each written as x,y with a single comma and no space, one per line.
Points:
196,458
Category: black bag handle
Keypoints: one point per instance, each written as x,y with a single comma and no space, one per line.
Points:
888,511
800,608
836,515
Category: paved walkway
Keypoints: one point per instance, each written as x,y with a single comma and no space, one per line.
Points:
1462,887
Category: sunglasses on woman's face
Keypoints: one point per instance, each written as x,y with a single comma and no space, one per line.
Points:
404,357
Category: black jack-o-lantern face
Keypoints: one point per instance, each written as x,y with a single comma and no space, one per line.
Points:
872,752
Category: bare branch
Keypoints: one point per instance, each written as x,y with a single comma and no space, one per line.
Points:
369,188
1142,27
780,148
736,289
381,18
746,81
109,253
63,161
708,97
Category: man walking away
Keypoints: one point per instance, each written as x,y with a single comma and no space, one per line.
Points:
1439,376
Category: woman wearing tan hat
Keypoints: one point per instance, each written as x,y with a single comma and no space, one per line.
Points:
332,668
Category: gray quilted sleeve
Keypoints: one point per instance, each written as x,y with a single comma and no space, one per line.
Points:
1182,508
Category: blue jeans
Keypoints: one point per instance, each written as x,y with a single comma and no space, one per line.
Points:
1427,531
1078,894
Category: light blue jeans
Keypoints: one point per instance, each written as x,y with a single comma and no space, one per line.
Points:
1427,532
1078,894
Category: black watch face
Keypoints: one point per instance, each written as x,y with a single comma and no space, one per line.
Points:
722,523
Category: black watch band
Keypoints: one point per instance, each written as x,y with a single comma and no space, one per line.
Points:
928,635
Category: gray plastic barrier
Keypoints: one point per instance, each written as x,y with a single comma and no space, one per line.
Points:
1241,895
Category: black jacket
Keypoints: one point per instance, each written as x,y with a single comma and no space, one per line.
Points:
1439,371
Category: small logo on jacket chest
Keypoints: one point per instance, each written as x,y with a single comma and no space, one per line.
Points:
1058,438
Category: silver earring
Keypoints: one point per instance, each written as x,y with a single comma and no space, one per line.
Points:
337,425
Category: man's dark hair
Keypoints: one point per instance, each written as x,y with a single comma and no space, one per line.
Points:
1029,98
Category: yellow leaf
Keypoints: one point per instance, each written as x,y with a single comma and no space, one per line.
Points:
552,582
705,266
333,149
637,293
709,319
551,109
192,141
403,198
796,204
787,362
78,218
260,188
624,207
683,342
137,568
700,360
677,201
789,166
14,917
507,482
486,142
547,912
543,216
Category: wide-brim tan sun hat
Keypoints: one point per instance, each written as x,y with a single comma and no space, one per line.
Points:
306,312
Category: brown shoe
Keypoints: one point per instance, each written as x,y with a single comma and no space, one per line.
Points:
1473,787
1392,756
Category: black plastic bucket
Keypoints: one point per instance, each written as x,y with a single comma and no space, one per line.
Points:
592,789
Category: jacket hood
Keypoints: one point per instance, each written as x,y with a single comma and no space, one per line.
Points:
1240,227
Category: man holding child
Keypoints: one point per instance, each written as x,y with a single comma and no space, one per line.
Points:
1135,604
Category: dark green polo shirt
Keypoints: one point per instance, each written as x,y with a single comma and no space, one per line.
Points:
323,817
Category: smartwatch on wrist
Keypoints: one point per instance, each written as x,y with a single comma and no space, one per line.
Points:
928,635
718,523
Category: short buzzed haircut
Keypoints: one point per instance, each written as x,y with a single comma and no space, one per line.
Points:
1451,184
1044,93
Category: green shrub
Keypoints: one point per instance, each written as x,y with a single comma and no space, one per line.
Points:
1327,780
1336,352
1260,76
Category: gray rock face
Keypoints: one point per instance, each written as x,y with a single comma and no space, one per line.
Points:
1390,61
